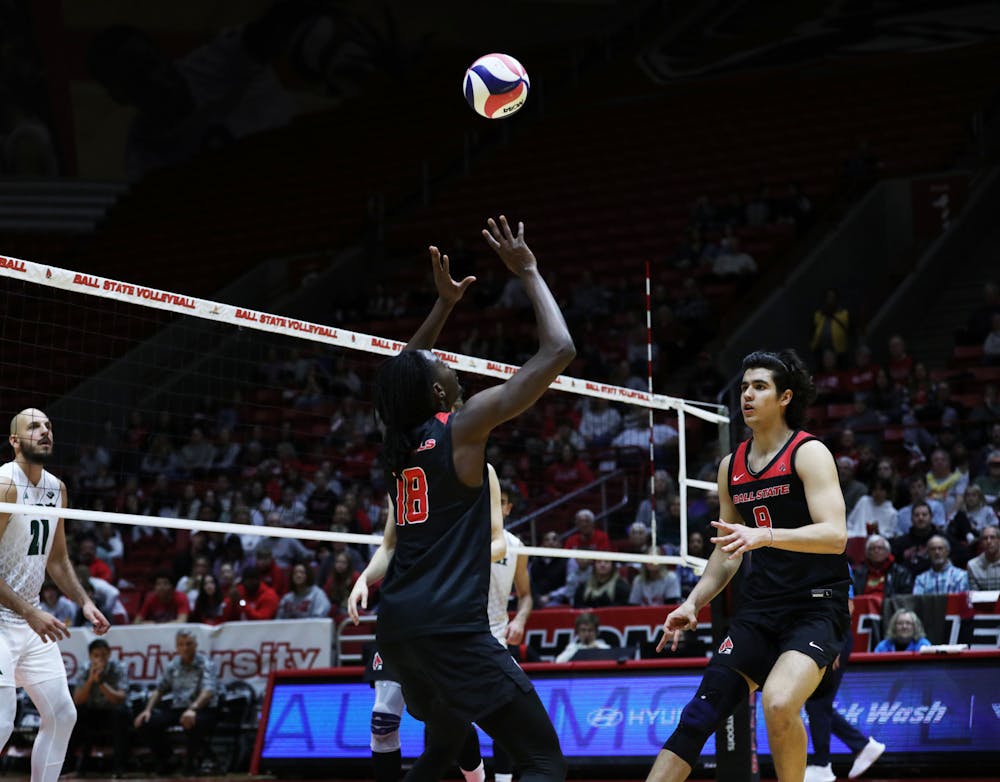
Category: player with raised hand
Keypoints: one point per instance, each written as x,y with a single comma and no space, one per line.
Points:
433,628
780,499
30,545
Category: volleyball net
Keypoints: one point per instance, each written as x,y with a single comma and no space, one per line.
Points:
175,412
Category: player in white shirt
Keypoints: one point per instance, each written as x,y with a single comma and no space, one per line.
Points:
29,545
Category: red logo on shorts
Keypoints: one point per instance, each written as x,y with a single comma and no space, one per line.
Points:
377,662
726,647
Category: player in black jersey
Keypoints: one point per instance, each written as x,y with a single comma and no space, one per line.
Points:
435,560
780,498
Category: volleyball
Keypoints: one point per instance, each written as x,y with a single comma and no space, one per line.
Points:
496,85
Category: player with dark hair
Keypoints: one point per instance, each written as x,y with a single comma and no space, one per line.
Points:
779,497
433,628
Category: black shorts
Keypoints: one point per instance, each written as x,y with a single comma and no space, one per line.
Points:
469,674
376,668
758,637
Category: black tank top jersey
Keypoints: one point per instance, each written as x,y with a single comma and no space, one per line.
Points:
438,579
775,497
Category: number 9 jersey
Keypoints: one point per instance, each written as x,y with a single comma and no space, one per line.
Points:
775,497
27,541
439,576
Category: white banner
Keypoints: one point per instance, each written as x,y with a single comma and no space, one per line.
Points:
241,650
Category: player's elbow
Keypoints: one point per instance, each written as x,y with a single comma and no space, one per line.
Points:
561,354
838,540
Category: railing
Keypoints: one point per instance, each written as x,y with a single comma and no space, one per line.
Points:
340,657
605,511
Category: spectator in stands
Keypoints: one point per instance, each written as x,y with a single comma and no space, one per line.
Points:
100,692
831,328
305,600
53,602
899,365
942,578
586,627
732,261
190,584
990,482
982,415
340,583
636,435
291,511
196,455
270,572
984,570
886,398
880,573
565,434
106,596
191,681
918,494
86,553
706,381
860,376
110,546
981,320
945,484
905,633
828,379
251,599
910,549
164,604
287,552
603,588
971,518
866,423
853,489
568,474
209,602
696,548
548,574
227,452
231,555
991,345
587,535
663,489
638,540
321,500
874,509
655,584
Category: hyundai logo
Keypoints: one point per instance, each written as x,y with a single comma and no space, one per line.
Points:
605,718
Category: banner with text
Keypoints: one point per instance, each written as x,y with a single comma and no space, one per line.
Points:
245,651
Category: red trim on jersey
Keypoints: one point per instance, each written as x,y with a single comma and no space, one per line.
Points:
442,417
782,465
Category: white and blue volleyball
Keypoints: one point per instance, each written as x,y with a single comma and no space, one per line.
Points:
496,85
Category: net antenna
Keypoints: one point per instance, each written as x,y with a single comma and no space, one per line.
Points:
90,285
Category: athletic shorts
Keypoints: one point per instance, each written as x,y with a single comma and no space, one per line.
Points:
469,674
757,638
26,659
376,668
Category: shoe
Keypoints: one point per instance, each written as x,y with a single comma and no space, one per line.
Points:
872,751
819,774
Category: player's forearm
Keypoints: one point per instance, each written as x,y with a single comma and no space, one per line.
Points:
378,565
498,548
524,607
553,334
10,599
826,537
718,572
63,575
427,335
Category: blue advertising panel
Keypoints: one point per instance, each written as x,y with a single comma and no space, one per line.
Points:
931,710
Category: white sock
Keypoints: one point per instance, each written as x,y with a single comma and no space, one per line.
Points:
504,777
478,774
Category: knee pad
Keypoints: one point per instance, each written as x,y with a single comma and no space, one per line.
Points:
721,691
385,732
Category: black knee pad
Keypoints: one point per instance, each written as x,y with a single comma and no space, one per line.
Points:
721,691
384,723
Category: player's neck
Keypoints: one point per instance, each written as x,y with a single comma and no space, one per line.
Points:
32,471
768,439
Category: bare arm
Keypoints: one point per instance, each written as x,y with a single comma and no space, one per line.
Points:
489,408
498,541
377,566
61,571
449,294
522,585
826,535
